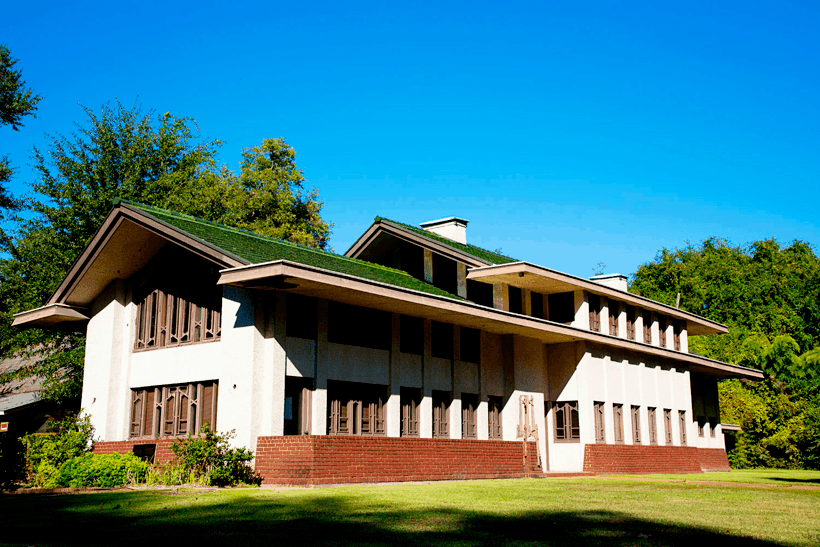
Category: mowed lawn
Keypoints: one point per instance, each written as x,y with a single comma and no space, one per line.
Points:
780,508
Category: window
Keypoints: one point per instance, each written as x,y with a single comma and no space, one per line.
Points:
358,326
411,335
667,425
712,426
441,411
537,305
594,312
516,299
303,316
165,319
298,393
701,421
442,340
636,425
445,273
653,425
410,410
618,419
630,322
470,345
647,327
662,330
567,427
614,312
356,409
561,307
172,411
480,293
600,432
494,418
469,414
682,425
676,330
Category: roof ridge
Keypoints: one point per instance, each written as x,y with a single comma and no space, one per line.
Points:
446,241
259,236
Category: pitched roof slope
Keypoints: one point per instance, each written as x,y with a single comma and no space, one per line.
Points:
254,249
490,257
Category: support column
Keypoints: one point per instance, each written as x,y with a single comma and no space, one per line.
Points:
279,369
319,400
455,396
394,399
426,417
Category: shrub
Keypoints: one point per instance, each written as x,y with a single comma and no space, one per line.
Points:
46,453
102,471
208,459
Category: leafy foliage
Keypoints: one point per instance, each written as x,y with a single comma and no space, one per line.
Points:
102,471
46,453
769,296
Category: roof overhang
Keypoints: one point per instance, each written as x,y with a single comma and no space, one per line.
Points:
545,281
386,227
349,289
52,316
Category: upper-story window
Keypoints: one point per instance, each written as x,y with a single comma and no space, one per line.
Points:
561,307
630,322
614,312
662,324
167,318
676,330
594,312
647,327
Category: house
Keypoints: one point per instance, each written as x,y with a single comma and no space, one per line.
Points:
414,356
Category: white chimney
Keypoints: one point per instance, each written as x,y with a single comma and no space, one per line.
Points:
452,228
615,281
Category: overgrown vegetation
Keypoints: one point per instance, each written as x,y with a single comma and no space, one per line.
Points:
46,453
769,297
102,471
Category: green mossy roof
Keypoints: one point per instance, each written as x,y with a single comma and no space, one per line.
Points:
481,254
254,249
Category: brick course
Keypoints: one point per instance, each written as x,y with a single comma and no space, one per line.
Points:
333,459
162,455
642,459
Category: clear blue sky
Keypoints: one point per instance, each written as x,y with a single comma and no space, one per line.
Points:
568,133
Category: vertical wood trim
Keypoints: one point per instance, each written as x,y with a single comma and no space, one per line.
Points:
461,272
428,265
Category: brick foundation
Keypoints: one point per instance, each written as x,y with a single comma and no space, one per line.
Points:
331,459
163,453
640,459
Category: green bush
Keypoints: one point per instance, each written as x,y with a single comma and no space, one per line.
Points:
208,459
102,471
46,453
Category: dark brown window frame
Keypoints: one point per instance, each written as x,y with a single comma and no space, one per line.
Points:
682,425
652,419
165,320
615,307
494,417
663,324
647,326
171,411
676,332
410,398
357,409
567,424
618,419
631,316
594,312
441,414
600,425
469,416
667,425
636,424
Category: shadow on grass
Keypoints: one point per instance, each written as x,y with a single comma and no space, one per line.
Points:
794,480
140,518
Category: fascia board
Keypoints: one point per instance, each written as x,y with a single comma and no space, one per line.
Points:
49,315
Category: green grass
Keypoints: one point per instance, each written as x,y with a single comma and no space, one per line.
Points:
516,512
778,477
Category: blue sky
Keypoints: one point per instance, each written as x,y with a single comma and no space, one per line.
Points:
568,133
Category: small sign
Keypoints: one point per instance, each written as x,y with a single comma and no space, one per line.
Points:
4,426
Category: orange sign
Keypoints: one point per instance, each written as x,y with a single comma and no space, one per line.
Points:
4,426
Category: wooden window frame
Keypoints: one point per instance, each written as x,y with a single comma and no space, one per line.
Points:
567,425
636,424
600,426
647,326
300,393
357,409
441,414
165,320
613,317
630,322
494,417
172,411
618,422
676,332
682,426
469,416
594,312
410,411
652,419
663,324
667,425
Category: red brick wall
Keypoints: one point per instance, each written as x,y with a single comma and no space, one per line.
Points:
162,455
329,459
641,459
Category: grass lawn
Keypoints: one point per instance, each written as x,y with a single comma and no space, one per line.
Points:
594,511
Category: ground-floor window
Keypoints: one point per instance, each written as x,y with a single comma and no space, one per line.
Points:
567,426
636,425
600,431
441,412
494,416
618,420
173,410
356,409
469,415
667,424
410,411
653,425
298,392
682,425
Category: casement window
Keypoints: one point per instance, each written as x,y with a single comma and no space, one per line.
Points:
166,319
667,425
614,312
636,425
662,330
561,307
701,422
494,417
298,394
470,342
682,426
173,410
647,327
600,431
618,420
410,411
652,417
676,330
469,416
594,302
356,409
567,426
630,322
441,414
